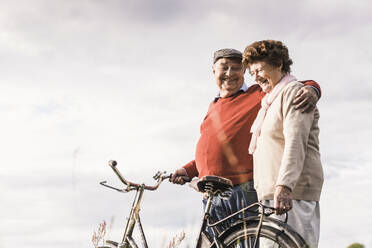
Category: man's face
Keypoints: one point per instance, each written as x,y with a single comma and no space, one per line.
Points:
229,76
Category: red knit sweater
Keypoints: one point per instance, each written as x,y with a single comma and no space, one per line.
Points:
222,149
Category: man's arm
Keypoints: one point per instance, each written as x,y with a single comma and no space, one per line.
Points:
307,97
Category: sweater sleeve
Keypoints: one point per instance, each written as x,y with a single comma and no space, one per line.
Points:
190,168
296,129
314,84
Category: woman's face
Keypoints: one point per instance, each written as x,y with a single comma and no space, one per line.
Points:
266,75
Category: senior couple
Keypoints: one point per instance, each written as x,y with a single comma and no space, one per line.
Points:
263,137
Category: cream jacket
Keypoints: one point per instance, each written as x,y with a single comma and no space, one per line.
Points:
287,150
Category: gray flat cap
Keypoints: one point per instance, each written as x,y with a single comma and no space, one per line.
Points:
226,53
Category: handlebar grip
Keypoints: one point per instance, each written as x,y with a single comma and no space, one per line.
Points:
112,163
186,179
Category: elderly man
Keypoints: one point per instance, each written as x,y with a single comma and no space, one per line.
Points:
222,149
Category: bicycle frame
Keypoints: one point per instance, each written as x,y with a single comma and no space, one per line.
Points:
134,217
205,221
213,226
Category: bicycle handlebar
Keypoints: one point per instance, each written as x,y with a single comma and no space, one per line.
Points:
130,185
160,176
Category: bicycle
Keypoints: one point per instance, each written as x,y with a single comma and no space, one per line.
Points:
245,232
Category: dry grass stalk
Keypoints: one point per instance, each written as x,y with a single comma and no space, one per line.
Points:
99,235
176,241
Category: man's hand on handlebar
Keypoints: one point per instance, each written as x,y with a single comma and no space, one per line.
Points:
180,177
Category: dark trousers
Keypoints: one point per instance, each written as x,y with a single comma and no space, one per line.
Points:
243,195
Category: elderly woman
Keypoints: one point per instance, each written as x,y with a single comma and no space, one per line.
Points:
288,174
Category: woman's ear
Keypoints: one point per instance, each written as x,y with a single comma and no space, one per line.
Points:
281,66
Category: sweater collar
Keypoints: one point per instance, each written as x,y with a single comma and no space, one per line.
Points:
244,88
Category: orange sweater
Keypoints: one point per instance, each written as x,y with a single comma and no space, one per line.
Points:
222,149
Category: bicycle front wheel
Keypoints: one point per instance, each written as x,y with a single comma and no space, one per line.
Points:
270,237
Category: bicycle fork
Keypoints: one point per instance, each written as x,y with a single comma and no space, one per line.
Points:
132,219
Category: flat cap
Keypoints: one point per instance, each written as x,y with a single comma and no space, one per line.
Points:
226,53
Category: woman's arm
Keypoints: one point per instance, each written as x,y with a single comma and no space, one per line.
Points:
296,129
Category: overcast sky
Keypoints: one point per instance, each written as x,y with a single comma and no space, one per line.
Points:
85,81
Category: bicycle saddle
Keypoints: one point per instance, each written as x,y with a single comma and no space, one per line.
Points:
215,184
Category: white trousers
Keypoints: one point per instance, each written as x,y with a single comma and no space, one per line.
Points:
304,218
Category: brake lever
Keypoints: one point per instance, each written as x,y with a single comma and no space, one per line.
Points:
267,211
104,183
159,175
163,175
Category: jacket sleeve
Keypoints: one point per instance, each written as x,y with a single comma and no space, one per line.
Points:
191,170
296,129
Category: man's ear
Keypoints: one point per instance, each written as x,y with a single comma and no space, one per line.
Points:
213,70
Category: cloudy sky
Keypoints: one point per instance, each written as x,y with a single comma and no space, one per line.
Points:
85,81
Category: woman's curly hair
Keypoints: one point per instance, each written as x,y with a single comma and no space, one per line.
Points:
272,52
